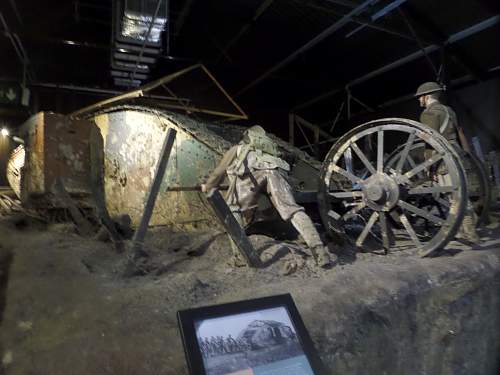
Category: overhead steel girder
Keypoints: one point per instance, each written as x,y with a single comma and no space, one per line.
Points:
363,20
457,37
420,19
320,37
265,5
381,13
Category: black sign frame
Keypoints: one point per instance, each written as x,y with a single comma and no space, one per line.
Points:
193,353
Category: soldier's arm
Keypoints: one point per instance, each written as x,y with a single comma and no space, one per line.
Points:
218,173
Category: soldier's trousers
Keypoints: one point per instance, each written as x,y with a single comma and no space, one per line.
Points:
274,183
468,228
271,182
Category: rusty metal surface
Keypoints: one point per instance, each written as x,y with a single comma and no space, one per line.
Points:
132,142
58,147
132,136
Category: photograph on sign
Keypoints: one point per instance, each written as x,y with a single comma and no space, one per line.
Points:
264,336
258,342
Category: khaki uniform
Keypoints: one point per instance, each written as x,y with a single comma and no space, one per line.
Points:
441,118
252,173
444,119
256,175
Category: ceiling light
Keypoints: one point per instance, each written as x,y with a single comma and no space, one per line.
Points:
5,132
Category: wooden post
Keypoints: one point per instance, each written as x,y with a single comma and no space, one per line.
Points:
161,167
232,227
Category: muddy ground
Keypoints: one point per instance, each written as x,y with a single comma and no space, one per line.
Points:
66,308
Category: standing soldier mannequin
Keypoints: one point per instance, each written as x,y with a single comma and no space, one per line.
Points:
255,166
444,120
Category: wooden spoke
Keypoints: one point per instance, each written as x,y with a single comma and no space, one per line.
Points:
346,174
410,230
432,190
384,229
380,151
348,160
363,158
425,165
346,194
412,163
420,212
362,237
405,152
354,211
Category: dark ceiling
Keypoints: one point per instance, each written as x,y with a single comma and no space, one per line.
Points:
271,55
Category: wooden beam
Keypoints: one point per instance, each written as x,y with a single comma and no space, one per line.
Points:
234,230
161,167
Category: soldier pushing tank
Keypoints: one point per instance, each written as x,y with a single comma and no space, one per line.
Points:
256,166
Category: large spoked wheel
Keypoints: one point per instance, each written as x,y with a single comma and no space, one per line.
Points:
415,200
478,184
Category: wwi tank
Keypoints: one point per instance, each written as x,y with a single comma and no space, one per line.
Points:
132,137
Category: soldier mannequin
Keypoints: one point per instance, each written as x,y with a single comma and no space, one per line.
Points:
252,172
444,120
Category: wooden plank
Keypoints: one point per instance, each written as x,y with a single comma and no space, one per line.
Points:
232,227
161,167
83,226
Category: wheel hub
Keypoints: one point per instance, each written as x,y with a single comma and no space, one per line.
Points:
380,192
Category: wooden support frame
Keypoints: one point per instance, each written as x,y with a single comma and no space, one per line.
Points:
143,91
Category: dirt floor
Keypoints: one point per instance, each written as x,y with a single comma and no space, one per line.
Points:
66,308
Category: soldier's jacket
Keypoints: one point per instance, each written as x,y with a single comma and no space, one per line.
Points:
441,118
219,172
254,160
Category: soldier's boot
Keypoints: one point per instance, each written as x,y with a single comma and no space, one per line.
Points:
305,227
467,230
323,258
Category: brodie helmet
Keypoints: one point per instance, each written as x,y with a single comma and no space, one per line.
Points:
428,88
